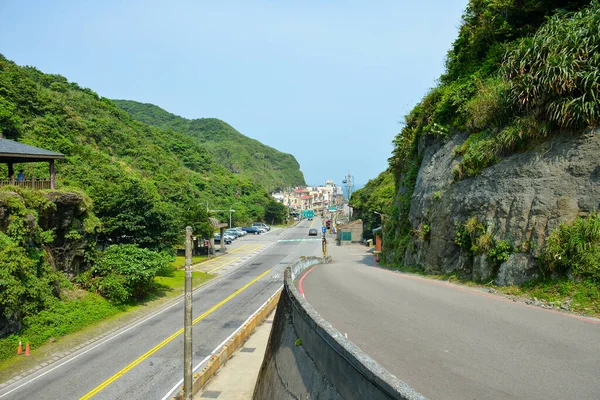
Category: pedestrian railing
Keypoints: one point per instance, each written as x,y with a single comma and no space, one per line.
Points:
33,183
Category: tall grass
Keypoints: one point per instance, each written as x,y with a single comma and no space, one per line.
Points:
575,248
555,74
548,82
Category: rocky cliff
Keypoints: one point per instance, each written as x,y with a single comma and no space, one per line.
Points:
516,202
58,222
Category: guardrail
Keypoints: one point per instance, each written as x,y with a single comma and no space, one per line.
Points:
34,183
307,358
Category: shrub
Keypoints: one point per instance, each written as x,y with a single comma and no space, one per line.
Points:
26,284
575,247
500,252
125,272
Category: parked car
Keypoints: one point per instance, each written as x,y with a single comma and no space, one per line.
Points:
261,225
233,233
241,231
227,239
313,232
262,229
252,229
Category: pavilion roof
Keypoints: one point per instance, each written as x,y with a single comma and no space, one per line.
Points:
16,152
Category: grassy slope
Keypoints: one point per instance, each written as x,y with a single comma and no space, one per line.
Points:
238,153
82,316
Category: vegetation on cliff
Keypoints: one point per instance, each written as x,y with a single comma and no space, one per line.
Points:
375,197
239,154
519,73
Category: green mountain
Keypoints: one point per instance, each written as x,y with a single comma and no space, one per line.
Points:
238,153
146,182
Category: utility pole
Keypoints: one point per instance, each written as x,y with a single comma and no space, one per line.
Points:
187,320
349,183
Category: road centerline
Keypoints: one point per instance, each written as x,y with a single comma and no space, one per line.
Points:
123,371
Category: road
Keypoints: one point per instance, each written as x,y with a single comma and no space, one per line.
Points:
145,360
454,342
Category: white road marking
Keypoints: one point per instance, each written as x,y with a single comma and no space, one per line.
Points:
216,350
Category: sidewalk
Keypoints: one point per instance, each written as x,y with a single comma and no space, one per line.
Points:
236,379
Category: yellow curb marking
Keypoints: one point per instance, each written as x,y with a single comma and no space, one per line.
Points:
169,339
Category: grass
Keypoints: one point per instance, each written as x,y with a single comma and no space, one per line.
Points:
62,318
174,283
584,295
180,261
82,316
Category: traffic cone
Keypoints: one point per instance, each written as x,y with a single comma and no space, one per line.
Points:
27,353
20,348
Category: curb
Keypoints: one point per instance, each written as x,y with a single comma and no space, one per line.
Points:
220,356
53,358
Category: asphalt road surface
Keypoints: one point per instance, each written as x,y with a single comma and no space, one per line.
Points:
145,360
454,342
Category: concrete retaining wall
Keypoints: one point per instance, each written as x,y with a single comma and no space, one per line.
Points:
307,358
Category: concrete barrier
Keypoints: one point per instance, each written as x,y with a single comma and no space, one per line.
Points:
307,358
221,355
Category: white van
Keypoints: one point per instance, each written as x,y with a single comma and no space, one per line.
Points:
261,225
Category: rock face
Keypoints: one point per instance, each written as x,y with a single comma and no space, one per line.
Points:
67,220
65,217
520,200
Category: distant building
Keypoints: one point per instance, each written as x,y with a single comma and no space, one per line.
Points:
350,233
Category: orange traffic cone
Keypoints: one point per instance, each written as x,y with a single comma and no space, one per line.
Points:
27,353
20,348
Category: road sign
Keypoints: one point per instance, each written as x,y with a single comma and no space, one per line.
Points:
323,229
308,214
332,209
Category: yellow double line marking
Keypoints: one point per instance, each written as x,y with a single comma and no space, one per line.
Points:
153,350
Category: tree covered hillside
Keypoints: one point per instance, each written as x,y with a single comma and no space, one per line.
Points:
240,154
124,186
146,182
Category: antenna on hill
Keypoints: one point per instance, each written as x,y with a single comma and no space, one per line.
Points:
349,184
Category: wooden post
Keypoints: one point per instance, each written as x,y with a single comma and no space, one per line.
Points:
52,175
33,182
11,173
223,245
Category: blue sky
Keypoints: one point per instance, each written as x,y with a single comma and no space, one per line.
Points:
327,81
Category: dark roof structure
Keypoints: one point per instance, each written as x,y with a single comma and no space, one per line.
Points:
15,152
